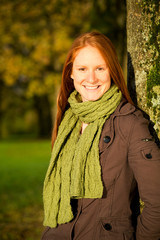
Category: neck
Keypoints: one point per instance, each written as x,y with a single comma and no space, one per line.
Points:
84,125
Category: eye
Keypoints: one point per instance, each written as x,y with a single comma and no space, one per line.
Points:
100,69
82,69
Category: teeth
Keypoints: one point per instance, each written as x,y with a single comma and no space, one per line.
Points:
89,87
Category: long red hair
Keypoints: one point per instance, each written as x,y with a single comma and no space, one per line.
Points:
106,48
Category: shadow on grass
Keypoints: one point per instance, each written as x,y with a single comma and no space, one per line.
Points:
22,170
21,224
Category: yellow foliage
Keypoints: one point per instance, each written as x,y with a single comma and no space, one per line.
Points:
39,87
41,52
9,79
19,28
11,68
52,80
35,87
62,42
34,42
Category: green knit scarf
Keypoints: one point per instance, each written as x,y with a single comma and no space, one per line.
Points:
74,170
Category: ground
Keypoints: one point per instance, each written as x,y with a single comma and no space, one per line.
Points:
22,171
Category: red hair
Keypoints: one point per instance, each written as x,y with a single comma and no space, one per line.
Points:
106,48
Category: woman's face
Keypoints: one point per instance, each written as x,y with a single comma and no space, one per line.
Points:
90,74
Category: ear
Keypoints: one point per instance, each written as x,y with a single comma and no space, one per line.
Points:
71,76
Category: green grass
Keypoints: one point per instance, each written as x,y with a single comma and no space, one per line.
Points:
22,170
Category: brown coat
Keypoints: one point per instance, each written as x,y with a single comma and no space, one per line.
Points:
130,162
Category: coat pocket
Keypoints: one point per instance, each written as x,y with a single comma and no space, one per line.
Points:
114,229
151,154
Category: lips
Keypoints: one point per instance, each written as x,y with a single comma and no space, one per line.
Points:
91,87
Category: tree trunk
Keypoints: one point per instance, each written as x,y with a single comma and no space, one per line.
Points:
42,107
1,111
143,57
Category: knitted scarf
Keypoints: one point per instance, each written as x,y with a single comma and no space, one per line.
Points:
74,170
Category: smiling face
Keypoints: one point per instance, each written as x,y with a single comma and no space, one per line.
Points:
90,74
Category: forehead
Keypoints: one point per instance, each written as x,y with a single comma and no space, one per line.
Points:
87,55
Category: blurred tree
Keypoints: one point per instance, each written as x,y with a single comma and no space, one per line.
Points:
143,46
34,41
109,16
34,38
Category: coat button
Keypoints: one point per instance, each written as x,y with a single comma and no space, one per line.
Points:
108,226
107,139
149,155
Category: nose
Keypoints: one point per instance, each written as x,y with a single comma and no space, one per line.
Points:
91,77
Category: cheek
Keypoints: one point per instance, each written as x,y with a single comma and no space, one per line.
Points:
108,79
76,83
77,78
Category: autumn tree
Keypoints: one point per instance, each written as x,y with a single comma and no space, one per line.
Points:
33,44
34,38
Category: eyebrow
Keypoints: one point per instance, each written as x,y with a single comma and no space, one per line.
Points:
100,65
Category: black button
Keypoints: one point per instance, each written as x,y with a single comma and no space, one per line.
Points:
107,139
149,155
108,226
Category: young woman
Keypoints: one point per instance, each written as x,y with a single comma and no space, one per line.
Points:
103,156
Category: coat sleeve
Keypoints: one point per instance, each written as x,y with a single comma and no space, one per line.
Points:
144,159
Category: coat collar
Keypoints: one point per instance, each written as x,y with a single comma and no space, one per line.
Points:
124,108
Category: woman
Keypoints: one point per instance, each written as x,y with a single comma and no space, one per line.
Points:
103,155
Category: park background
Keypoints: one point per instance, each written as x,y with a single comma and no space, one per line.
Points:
34,39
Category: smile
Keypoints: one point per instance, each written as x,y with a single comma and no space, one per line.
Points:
91,87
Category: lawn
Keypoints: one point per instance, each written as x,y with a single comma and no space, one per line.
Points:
23,165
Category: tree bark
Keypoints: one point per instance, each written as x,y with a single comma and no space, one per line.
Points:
42,107
1,111
143,57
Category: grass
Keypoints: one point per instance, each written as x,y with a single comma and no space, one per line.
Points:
22,170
